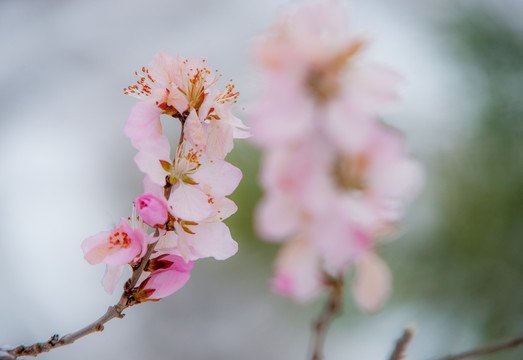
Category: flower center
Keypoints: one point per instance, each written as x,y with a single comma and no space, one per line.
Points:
350,172
322,80
185,165
119,239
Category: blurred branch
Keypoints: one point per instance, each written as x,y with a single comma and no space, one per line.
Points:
331,310
126,300
402,344
504,345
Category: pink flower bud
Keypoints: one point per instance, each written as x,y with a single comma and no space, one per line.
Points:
151,209
166,280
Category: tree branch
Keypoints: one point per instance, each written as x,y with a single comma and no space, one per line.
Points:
504,345
401,345
331,310
126,300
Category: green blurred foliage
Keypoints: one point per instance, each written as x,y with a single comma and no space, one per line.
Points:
471,263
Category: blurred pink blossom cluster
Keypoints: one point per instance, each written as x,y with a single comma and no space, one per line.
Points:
180,214
336,178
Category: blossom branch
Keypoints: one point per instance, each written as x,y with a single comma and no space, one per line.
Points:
504,345
331,310
126,300
185,198
115,311
401,345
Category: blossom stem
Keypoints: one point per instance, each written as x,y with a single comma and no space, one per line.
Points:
126,300
115,311
500,346
332,309
401,345
182,118
56,341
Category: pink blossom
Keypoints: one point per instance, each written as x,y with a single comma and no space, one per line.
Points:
207,238
177,85
169,274
151,209
119,246
158,84
185,88
314,83
335,177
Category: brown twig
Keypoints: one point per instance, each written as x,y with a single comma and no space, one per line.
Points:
331,310
504,345
401,345
126,300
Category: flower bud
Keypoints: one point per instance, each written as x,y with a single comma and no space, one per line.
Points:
164,282
151,209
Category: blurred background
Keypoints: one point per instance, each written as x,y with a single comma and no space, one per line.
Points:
67,173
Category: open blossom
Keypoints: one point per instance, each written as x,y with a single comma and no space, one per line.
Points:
116,248
314,82
335,177
185,88
194,181
207,238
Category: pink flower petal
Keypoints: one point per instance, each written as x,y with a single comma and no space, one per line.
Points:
193,130
143,123
219,139
222,208
214,240
298,275
113,274
149,156
372,283
95,248
277,217
189,202
162,68
218,178
167,242
165,282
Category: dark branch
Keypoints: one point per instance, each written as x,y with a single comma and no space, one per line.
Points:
504,345
126,300
401,345
332,310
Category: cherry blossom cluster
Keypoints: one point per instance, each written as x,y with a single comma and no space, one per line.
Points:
335,177
179,217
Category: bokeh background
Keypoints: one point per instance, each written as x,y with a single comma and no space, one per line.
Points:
67,173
